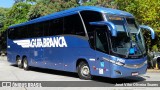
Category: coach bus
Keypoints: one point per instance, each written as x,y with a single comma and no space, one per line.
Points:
88,40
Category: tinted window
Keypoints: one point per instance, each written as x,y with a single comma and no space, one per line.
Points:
91,16
73,25
92,39
23,32
67,25
56,27
17,33
11,33
101,40
46,25
31,30
38,29
35,30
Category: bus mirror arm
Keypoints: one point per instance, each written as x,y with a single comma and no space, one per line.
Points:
110,25
147,28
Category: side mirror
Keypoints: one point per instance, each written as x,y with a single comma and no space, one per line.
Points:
111,26
148,28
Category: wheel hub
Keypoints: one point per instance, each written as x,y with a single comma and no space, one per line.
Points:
25,64
19,62
85,71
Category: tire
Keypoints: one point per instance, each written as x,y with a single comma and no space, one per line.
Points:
25,64
84,71
19,62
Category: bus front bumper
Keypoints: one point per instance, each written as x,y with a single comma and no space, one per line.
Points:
122,71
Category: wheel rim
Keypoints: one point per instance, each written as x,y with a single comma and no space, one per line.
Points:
25,64
19,62
85,70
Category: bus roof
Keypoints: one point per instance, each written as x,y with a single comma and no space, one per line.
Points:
73,11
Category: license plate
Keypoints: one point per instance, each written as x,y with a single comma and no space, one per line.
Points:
134,73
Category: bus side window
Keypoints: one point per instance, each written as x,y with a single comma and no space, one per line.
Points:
92,39
91,16
46,28
38,29
24,32
11,33
56,27
16,33
101,40
31,31
73,25
35,30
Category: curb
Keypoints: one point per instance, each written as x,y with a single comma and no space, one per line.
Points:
153,70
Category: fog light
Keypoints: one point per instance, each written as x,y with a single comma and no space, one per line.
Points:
118,72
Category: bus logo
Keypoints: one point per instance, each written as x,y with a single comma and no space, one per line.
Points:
42,42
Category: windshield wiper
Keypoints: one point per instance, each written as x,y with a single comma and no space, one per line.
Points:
139,47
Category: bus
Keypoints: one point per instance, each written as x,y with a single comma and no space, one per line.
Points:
88,40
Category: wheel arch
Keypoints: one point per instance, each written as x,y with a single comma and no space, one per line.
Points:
16,59
24,56
18,56
81,60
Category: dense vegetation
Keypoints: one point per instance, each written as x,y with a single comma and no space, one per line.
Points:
145,11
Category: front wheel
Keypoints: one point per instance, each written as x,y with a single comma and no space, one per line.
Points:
84,71
25,64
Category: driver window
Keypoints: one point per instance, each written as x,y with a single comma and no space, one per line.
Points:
101,40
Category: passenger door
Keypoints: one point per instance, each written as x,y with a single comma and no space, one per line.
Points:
102,50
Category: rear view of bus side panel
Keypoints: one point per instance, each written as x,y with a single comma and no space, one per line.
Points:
14,50
11,52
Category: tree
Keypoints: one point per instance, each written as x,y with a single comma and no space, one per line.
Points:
3,12
44,7
17,14
17,1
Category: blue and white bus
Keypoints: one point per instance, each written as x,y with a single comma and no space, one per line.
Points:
88,40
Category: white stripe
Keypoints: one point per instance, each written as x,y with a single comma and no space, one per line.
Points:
23,43
92,59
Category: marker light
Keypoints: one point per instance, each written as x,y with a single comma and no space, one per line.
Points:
131,51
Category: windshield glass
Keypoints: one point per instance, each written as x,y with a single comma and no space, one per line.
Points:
136,35
128,41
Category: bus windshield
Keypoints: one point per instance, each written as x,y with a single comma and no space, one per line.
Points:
128,41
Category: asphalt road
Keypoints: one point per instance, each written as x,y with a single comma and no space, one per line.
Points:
9,72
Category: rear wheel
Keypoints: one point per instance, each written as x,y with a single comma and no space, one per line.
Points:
84,71
19,62
25,64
